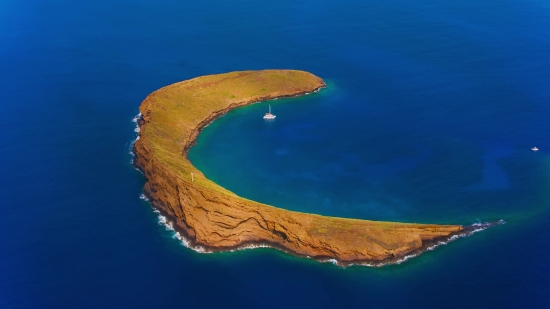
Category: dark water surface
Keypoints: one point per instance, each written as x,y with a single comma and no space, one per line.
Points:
430,114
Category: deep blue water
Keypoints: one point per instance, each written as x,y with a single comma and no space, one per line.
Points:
430,114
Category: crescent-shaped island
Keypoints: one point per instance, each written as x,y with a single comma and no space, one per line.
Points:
215,219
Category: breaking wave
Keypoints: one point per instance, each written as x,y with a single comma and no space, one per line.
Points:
478,228
169,226
136,118
136,138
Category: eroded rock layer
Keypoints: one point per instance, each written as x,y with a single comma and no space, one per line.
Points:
215,218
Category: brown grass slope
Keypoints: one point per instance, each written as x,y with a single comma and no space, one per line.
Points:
215,218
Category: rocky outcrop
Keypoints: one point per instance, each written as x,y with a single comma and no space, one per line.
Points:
215,218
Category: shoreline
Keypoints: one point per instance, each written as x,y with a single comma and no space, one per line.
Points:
217,114
210,218
180,234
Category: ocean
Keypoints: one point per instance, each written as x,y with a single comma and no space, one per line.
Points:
430,114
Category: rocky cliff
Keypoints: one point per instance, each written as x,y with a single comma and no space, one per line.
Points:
215,218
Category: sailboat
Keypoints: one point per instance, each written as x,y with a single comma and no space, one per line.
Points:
269,115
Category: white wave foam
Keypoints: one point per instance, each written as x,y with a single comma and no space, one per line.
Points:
136,118
162,220
169,226
249,246
482,227
186,243
136,130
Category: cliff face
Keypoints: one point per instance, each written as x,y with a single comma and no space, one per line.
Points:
215,218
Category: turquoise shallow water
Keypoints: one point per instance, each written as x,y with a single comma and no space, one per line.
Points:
430,114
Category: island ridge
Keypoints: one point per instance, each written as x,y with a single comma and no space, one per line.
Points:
214,218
